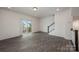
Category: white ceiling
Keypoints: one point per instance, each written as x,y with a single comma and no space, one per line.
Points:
40,13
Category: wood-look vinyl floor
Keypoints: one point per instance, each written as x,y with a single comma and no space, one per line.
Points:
36,42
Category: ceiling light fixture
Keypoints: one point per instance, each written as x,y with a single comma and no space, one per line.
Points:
35,8
57,9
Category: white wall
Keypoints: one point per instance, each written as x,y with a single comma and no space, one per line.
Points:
10,25
63,24
45,22
1,26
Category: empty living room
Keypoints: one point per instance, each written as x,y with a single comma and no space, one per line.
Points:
39,29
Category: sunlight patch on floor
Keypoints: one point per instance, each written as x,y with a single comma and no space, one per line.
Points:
24,35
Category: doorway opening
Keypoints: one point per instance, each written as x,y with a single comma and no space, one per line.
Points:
27,27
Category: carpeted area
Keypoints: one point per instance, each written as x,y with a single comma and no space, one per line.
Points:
36,42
